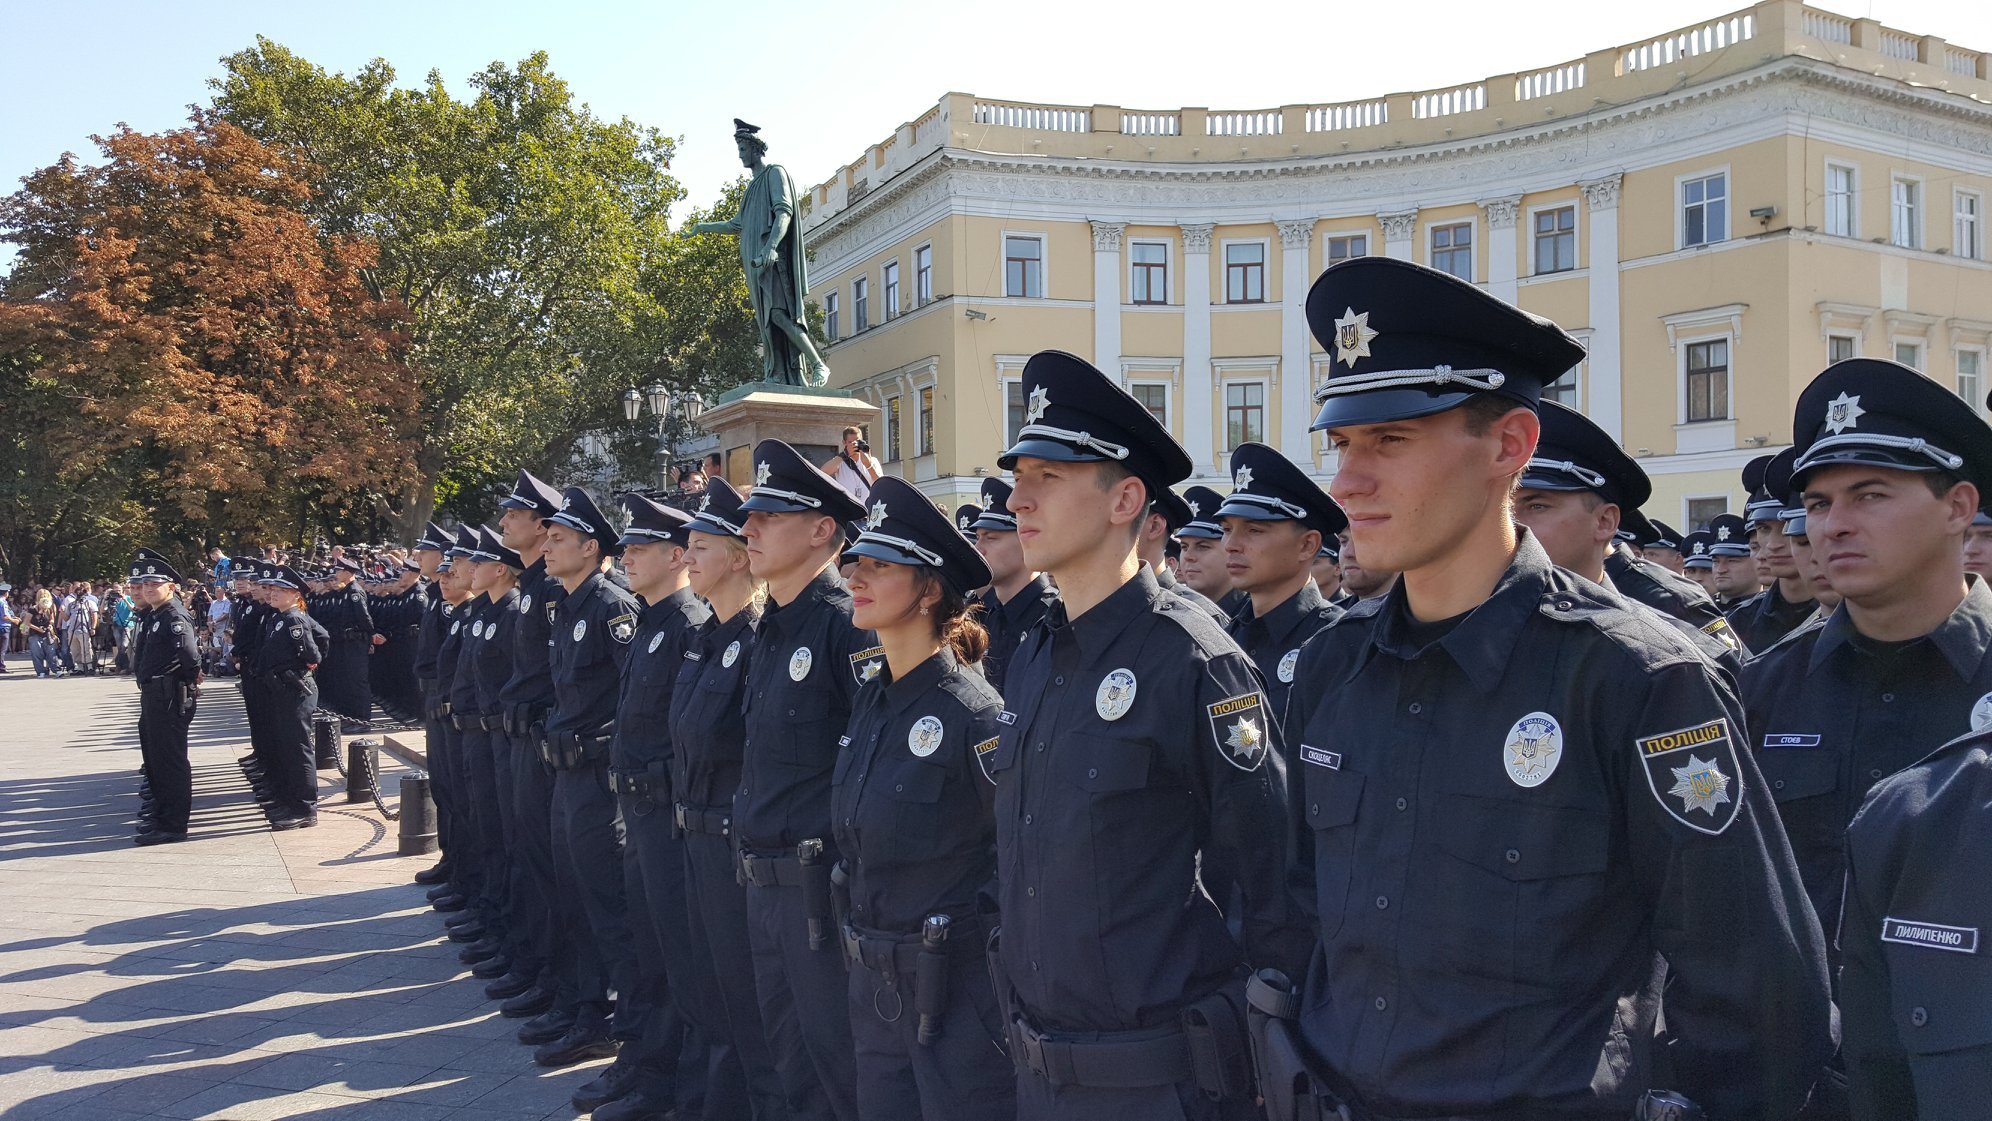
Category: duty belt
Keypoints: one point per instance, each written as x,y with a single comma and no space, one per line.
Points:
565,751
1103,1060
703,819
636,784
755,870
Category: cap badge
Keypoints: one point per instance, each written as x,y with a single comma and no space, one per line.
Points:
925,738
1352,336
1722,533
1115,695
1242,480
1040,400
732,654
799,663
705,500
1843,412
1196,508
761,473
1534,748
877,516
963,521
151,571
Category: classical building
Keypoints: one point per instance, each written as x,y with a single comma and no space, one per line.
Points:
1717,212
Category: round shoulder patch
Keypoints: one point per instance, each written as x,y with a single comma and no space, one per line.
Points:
799,663
1533,749
925,738
732,654
1288,661
656,640
1116,694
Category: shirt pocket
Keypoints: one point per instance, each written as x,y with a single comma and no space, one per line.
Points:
1105,767
1803,783
914,794
1333,799
1938,1003
802,733
1515,887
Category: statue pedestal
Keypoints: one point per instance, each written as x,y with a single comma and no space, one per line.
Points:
810,420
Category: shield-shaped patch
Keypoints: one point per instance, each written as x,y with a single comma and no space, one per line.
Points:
866,664
622,628
1694,775
1239,728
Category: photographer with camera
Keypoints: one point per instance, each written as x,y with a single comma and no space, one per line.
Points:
853,466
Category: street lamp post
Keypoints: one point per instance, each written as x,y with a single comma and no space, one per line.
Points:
659,400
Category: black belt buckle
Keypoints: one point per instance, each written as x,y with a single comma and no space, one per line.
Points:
1047,1058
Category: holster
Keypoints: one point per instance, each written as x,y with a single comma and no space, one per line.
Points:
1287,1084
815,891
1220,1053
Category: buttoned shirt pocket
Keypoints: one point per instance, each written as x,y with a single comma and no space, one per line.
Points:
804,716
1804,783
915,794
1105,766
1333,798
1514,884
1942,1016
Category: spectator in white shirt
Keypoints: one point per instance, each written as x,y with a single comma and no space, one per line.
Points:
853,466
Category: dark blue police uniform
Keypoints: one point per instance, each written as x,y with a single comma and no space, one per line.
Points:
1006,621
290,647
166,663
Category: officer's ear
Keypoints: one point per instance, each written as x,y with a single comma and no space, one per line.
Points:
1606,525
1515,434
825,532
1960,506
1309,546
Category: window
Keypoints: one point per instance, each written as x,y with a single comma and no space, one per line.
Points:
1023,266
1909,354
1702,511
1452,250
830,316
1708,380
1150,284
1343,248
892,289
1905,213
1563,392
1556,239
1840,200
1154,396
1839,348
1705,210
923,275
1967,226
1245,272
927,421
1244,413
890,436
1971,377
860,303
1013,411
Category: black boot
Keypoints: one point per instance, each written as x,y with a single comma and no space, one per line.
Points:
548,1027
586,1041
612,1084
534,1001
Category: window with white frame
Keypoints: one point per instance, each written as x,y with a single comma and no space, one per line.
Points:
1705,210
1839,348
1905,212
860,303
1154,396
923,276
891,289
1014,409
1702,511
1909,353
1971,377
1344,246
1452,249
1840,212
927,420
1244,272
830,316
1023,266
1555,240
1705,373
1564,391
1149,283
890,433
1968,225
1244,413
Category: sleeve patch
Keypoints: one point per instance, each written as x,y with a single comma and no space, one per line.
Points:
1239,727
866,664
622,628
1694,775
982,753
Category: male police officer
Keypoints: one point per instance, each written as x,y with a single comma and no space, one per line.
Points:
1521,800
1201,539
1662,546
1017,597
1786,600
291,646
1735,570
1698,564
1892,467
167,666
1138,779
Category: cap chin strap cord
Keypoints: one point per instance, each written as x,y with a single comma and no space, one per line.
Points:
1437,376
1915,445
1267,502
1067,436
902,544
1583,475
786,496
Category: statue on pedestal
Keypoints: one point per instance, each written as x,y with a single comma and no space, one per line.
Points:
771,253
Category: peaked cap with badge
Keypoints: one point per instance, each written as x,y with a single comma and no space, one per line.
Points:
1763,504
651,521
966,515
491,547
528,493
1695,549
786,483
578,512
1877,413
1269,487
719,511
996,513
904,527
1728,536
1076,414
151,568
1203,503
434,538
1574,454
280,576
465,543
1407,341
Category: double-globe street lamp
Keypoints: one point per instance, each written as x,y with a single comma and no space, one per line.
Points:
660,400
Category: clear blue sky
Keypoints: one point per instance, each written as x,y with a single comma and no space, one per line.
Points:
830,78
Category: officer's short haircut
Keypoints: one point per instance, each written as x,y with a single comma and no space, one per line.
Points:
1941,482
1480,411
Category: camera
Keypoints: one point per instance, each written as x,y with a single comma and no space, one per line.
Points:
864,445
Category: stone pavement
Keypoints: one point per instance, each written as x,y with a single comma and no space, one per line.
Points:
244,975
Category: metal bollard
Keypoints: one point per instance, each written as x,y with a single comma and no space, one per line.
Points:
418,815
325,737
359,771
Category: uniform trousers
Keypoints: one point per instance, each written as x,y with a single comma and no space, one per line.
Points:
291,766
162,743
537,932
441,788
588,867
805,1001
961,1075
720,950
684,1034
481,806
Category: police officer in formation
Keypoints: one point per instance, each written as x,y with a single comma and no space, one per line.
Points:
167,666
1274,524
1017,596
279,681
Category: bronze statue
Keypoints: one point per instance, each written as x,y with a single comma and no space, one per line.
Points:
771,253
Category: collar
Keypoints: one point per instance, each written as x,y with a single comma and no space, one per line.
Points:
1039,590
678,602
824,585
1288,614
1483,643
901,694
581,595
1962,638
1096,629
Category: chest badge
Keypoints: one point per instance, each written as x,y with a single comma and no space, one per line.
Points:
526,602
477,629
656,640
1116,694
580,628
799,663
1534,748
732,654
491,630
456,626
155,626
925,738
1287,666
1981,713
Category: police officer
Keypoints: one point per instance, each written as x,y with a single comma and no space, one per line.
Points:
1519,796
471,754
708,735
911,806
1137,760
1167,513
1786,600
1812,563
1892,468
1661,544
487,661
1328,573
1698,564
291,647
677,992
1978,545
432,620
1201,564
247,615
1916,974
1274,523
167,666
447,753
1016,597
965,515
342,609
1734,570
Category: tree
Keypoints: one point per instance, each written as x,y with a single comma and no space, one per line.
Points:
189,356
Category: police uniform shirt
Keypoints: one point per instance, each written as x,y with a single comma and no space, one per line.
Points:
1007,623
529,692
165,647
592,632
451,646
490,648
805,675
1504,817
250,621
436,614
1274,641
1834,712
910,799
1764,618
345,616
1679,600
643,714
1137,758
293,642
463,681
708,725
1916,975
1168,582
1234,601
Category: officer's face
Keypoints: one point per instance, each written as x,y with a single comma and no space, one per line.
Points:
1736,576
1572,526
429,559
568,552
1416,491
651,565
1001,552
1064,514
521,530
1772,551
1202,566
1881,530
484,576
1812,566
712,559
152,594
1703,576
1327,576
780,545
1978,550
886,595
1263,556
1669,559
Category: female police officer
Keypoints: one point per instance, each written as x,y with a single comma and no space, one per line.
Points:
911,806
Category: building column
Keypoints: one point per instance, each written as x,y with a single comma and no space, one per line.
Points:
1296,378
1501,246
1604,398
1106,296
1399,231
1198,409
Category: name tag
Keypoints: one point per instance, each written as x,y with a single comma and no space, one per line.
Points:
1936,936
693,656
1329,759
1791,739
843,741
1006,717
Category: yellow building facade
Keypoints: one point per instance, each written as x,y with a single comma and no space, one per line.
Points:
1716,212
